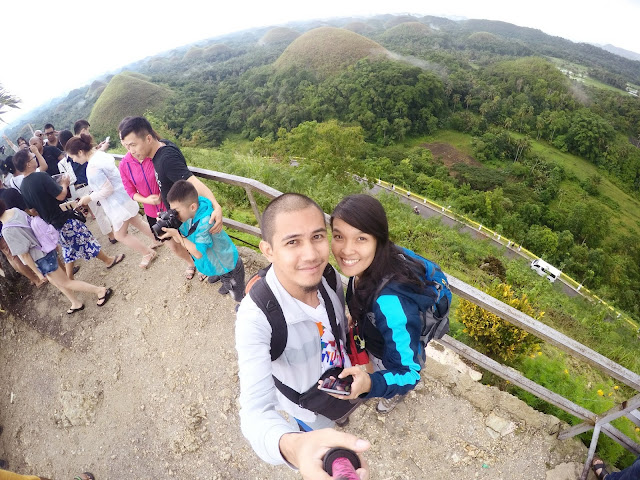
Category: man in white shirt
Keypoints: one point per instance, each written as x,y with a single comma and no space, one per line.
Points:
295,242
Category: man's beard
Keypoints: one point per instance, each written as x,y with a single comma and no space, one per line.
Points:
312,288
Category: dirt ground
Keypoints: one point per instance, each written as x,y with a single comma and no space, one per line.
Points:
147,388
449,154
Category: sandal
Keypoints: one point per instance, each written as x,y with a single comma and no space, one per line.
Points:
156,245
116,260
105,298
85,476
72,310
202,277
147,259
190,272
598,464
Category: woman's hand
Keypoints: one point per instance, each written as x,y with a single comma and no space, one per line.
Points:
84,200
152,200
361,383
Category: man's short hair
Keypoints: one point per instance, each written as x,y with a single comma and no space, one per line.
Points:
64,137
138,125
79,125
34,139
285,203
49,125
20,160
183,192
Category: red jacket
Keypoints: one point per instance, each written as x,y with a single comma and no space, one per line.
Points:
141,178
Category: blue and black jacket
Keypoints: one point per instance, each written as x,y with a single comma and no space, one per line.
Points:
391,329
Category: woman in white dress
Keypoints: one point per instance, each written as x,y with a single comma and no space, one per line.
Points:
105,182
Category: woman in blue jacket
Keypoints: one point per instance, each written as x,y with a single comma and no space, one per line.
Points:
363,251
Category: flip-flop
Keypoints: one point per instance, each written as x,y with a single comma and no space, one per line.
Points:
105,298
202,277
596,464
72,310
117,260
88,476
113,241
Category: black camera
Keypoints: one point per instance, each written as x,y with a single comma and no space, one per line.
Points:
1,149
168,219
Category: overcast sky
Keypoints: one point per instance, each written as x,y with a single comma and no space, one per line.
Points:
51,47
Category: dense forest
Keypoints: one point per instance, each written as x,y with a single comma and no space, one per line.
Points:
366,95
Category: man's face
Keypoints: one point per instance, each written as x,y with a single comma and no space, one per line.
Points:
139,147
37,142
299,250
51,136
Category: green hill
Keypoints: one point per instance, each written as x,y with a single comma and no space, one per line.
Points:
278,36
408,30
126,94
360,28
328,50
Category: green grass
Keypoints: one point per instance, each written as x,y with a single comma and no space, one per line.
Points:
461,141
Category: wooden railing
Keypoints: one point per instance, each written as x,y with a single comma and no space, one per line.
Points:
599,423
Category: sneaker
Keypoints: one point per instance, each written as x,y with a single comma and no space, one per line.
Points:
213,279
385,405
223,290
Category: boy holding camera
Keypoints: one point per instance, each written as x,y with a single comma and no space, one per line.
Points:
213,254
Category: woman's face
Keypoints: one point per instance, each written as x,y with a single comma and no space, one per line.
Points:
354,250
80,157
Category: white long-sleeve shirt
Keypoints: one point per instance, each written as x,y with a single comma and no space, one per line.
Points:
299,366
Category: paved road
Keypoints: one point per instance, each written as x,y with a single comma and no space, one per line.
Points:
428,211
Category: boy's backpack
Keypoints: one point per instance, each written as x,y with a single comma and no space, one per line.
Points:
435,319
45,233
264,298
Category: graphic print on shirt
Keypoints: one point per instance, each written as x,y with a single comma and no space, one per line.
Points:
328,352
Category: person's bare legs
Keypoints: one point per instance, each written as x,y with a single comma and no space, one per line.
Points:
182,253
106,259
68,287
122,235
144,228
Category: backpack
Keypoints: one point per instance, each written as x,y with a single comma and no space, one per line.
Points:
45,233
264,298
435,319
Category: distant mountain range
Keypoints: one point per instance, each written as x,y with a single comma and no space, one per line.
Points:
620,51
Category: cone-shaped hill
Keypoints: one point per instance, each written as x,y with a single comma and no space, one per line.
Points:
327,50
279,35
409,30
126,94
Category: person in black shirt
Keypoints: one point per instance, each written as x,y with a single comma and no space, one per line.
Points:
52,136
13,199
139,138
43,194
52,155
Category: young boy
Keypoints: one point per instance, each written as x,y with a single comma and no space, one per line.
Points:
213,254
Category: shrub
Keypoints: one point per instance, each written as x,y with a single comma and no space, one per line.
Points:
494,335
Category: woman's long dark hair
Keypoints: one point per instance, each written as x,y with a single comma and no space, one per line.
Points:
367,214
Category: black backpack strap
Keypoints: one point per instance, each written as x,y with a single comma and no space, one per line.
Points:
331,276
264,298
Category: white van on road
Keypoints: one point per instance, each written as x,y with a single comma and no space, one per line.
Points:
545,269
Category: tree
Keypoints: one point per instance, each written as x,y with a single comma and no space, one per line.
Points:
7,100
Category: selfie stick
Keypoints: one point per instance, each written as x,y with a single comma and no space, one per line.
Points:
341,464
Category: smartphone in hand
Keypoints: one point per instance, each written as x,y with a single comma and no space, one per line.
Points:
338,386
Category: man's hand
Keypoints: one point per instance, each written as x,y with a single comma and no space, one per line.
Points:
103,146
152,200
306,451
84,200
216,220
33,149
65,180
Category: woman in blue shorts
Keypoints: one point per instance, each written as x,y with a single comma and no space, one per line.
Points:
23,243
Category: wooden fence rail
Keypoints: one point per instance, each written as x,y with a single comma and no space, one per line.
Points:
597,422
